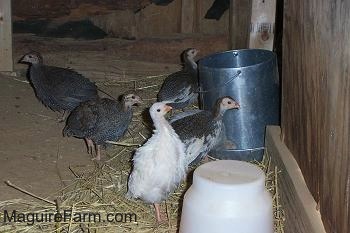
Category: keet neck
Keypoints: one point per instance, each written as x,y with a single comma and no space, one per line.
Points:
218,112
189,63
161,124
127,106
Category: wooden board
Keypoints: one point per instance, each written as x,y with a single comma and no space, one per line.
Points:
240,15
155,21
316,101
297,201
187,16
262,24
6,62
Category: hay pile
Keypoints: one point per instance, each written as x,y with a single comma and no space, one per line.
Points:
101,188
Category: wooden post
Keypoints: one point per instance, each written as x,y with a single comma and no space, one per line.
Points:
6,60
187,16
239,27
262,24
198,16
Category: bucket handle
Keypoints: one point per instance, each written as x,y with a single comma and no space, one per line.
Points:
213,89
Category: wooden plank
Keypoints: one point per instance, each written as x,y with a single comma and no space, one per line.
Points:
316,101
155,20
6,60
211,26
262,24
187,16
198,15
239,26
297,201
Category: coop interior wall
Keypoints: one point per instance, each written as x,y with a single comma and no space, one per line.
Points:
136,18
316,102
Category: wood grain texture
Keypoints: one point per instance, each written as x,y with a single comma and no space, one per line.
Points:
187,16
298,204
239,26
316,101
155,20
210,26
6,61
51,9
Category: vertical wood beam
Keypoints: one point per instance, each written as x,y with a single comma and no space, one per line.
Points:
239,26
316,102
187,16
6,61
198,15
262,24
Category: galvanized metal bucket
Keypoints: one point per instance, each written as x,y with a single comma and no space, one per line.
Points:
250,76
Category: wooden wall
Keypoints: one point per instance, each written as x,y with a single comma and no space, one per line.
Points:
134,18
6,62
316,101
180,16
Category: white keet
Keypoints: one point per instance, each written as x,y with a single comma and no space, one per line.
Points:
159,165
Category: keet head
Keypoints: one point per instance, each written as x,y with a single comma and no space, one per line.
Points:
132,99
31,58
159,109
223,104
191,53
228,103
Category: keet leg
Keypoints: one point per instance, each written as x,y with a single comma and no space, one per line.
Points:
207,158
63,117
161,217
90,145
98,152
157,209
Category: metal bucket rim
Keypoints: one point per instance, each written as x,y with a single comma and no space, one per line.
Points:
201,66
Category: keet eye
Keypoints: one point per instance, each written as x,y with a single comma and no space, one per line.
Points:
158,110
229,102
133,97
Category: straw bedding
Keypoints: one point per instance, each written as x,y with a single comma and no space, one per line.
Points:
101,188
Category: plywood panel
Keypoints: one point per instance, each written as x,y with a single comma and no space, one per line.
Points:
6,62
315,101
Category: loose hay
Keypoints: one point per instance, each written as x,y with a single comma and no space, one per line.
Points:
101,189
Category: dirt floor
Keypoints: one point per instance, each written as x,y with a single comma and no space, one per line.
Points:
33,154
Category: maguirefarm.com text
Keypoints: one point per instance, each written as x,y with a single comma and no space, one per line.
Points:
67,216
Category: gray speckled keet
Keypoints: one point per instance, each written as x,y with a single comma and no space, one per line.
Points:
201,130
181,88
101,120
58,88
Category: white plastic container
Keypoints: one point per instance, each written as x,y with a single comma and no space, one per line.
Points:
227,196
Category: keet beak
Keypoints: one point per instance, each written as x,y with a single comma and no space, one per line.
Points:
236,105
21,60
139,100
168,108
